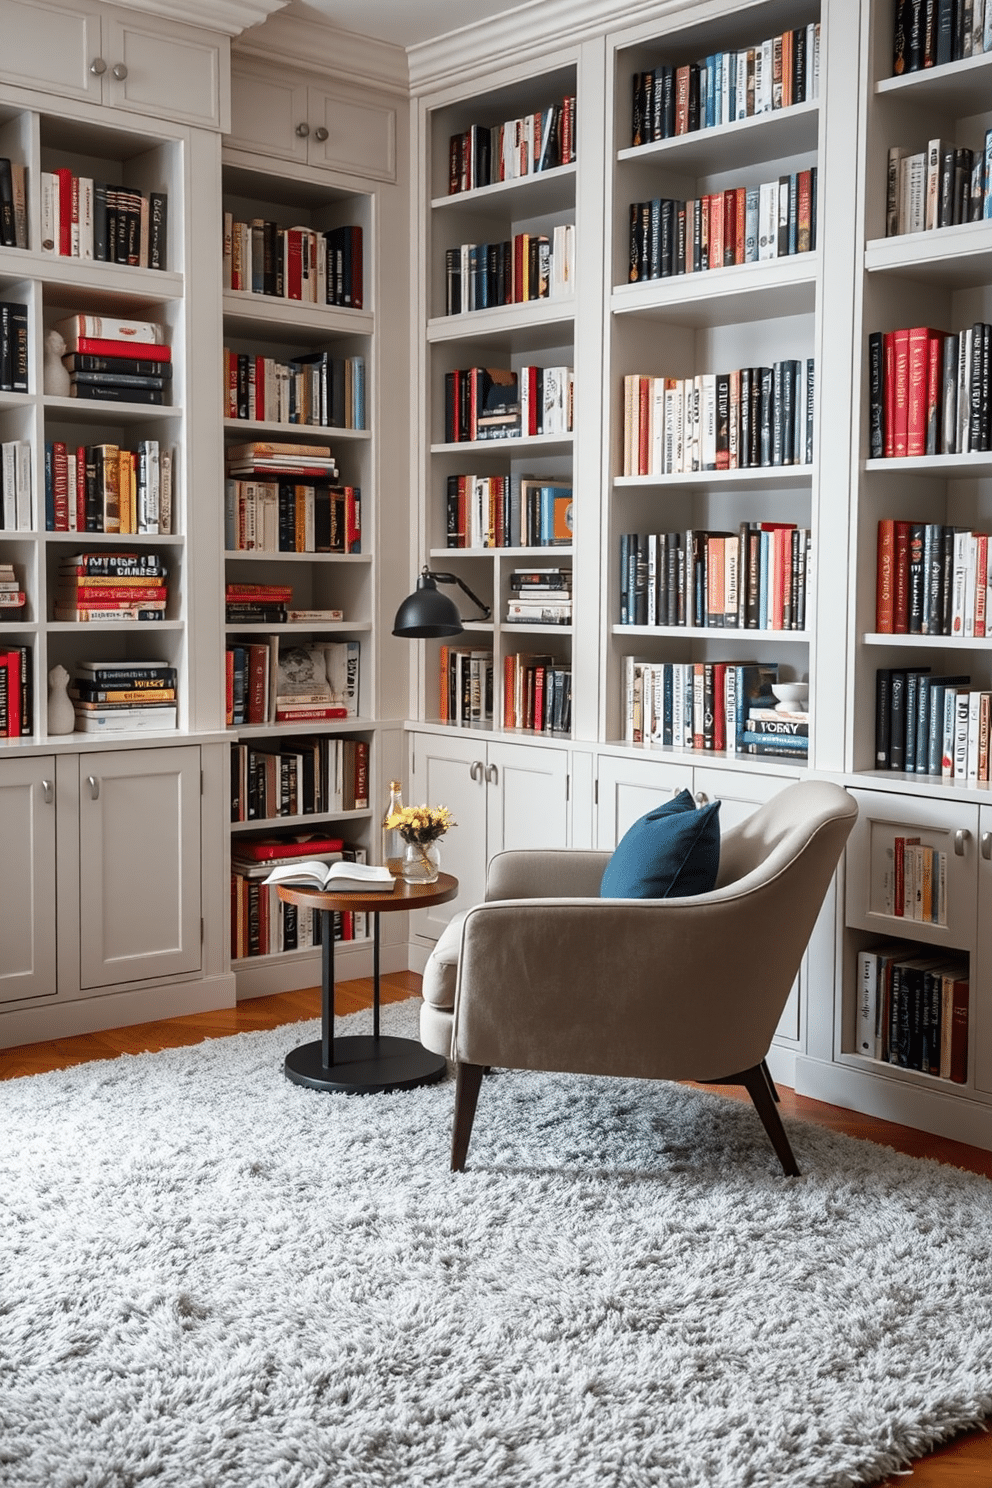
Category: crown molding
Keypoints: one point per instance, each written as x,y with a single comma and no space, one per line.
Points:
526,32
228,16
301,37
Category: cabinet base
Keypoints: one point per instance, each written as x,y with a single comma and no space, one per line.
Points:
364,1065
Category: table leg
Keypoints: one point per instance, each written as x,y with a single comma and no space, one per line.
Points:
326,988
375,976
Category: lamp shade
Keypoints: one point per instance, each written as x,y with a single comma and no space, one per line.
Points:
427,612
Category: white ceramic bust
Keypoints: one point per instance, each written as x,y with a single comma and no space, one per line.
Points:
56,376
61,713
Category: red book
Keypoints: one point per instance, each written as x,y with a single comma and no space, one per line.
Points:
539,676
644,425
900,624
294,263
229,688
729,226
64,178
307,714
98,598
81,488
521,256
900,393
100,346
268,849
12,661
716,230
258,683
935,377
259,386
719,705
740,222
60,485
957,1007
919,339
885,588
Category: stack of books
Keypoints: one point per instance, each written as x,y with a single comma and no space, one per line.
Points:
777,730
115,360
540,596
16,693
301,684
298,777
12,596
257,604
118,696
106,588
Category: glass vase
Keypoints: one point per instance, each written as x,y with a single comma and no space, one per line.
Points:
421,862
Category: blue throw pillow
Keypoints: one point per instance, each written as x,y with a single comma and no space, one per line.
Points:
670,853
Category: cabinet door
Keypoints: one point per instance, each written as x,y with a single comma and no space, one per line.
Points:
740,794
139,865
27,879
527,798
51,46
359,138
170,71
267,109
627,788
451,772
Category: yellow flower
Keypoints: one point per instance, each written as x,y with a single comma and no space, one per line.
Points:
421,824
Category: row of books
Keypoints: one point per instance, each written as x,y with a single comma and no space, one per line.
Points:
16,692
296,263
118,696
913,1010
485,154
928,391
267,682
13,347
726,86
926,725
262,924
466,684
12,595
286,516
124,586
741,225
540,596
499,403
752,416
298,777
930,33
916,882
931,580
105,488
312,388
508,511
941,186
530,266
537,693
13,203
270,604
84,218
16,504
754,579
719,706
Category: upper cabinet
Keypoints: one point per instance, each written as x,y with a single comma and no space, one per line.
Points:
117,57
311,123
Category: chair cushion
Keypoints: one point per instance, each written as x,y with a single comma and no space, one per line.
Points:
670,853
441,971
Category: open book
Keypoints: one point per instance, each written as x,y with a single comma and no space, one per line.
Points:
334,878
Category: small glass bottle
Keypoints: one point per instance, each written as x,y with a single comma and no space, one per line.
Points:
392,842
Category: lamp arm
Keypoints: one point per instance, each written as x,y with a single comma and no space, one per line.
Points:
447,578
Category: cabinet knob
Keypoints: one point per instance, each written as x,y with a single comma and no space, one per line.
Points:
94,786
98,67
320,134
961,836
303,130
120,71
987,846
492,775
701,798
48,792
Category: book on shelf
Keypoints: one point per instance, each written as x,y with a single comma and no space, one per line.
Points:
14,354
725,87
529,266
298,777
266,683
313,388
132,332
89,219
723,229
292,515
12,595
277,849
13,203
913,1010
498,403
929,391
317,267
483,155
537,693
262,924
106,488
701,705
931,579
755,579
942,186
933,35
126,719
16,692
331,878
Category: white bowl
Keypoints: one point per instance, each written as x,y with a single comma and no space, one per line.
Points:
791,692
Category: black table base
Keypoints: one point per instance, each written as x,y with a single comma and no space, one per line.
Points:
363,1064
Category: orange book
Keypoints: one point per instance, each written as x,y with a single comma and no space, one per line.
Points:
716,230
443,698
804,212
885,588
682,76
643,425
740,222
509,689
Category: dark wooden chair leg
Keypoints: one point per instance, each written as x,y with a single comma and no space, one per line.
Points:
756,1084
468,1081
771,1083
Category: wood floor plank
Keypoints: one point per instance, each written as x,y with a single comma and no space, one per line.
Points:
965,1462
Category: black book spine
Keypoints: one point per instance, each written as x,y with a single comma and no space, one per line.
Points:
883,716
916,578
668,102
637,136
693,96
654,264
8,230
897,721
935,580
666,265
975,415
876,404
766,391
680,237
899,37
914,35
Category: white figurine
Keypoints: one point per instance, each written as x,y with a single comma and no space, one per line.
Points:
56,376
61,713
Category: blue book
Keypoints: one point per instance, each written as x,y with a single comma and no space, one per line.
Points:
668,692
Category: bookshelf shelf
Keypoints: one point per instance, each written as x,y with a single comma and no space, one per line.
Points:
532,325
271,316
298,822
956,257
743,293
303,727
791,131
975,465
92,411
926,642
553,190
536,444
301,628
712,632
116,627
99,540
773,476
296,433
81,283
540,556
961,87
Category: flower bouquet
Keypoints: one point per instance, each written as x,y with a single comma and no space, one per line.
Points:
421,827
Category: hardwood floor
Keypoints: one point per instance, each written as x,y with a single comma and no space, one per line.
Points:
965,1462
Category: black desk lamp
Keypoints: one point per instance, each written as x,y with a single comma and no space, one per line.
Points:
429,613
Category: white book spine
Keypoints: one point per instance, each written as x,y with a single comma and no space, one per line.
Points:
659,428
962,710
974,723
25,512
707,421
867,990
767,220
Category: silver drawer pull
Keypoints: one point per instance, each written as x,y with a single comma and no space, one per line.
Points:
120,71
98,67
303,130
94,786
987,846
320,134
961,836
47,792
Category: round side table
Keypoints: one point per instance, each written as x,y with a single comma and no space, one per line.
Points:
360,1064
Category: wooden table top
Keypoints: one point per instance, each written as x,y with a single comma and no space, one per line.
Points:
403,896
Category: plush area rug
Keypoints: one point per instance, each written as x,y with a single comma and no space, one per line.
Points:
211,1278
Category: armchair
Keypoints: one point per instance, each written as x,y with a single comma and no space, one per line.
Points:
545,975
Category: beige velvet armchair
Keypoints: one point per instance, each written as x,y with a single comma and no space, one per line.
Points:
545,975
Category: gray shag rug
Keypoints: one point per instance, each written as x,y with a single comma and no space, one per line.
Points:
209,1276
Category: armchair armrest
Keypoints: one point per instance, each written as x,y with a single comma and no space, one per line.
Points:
561,873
